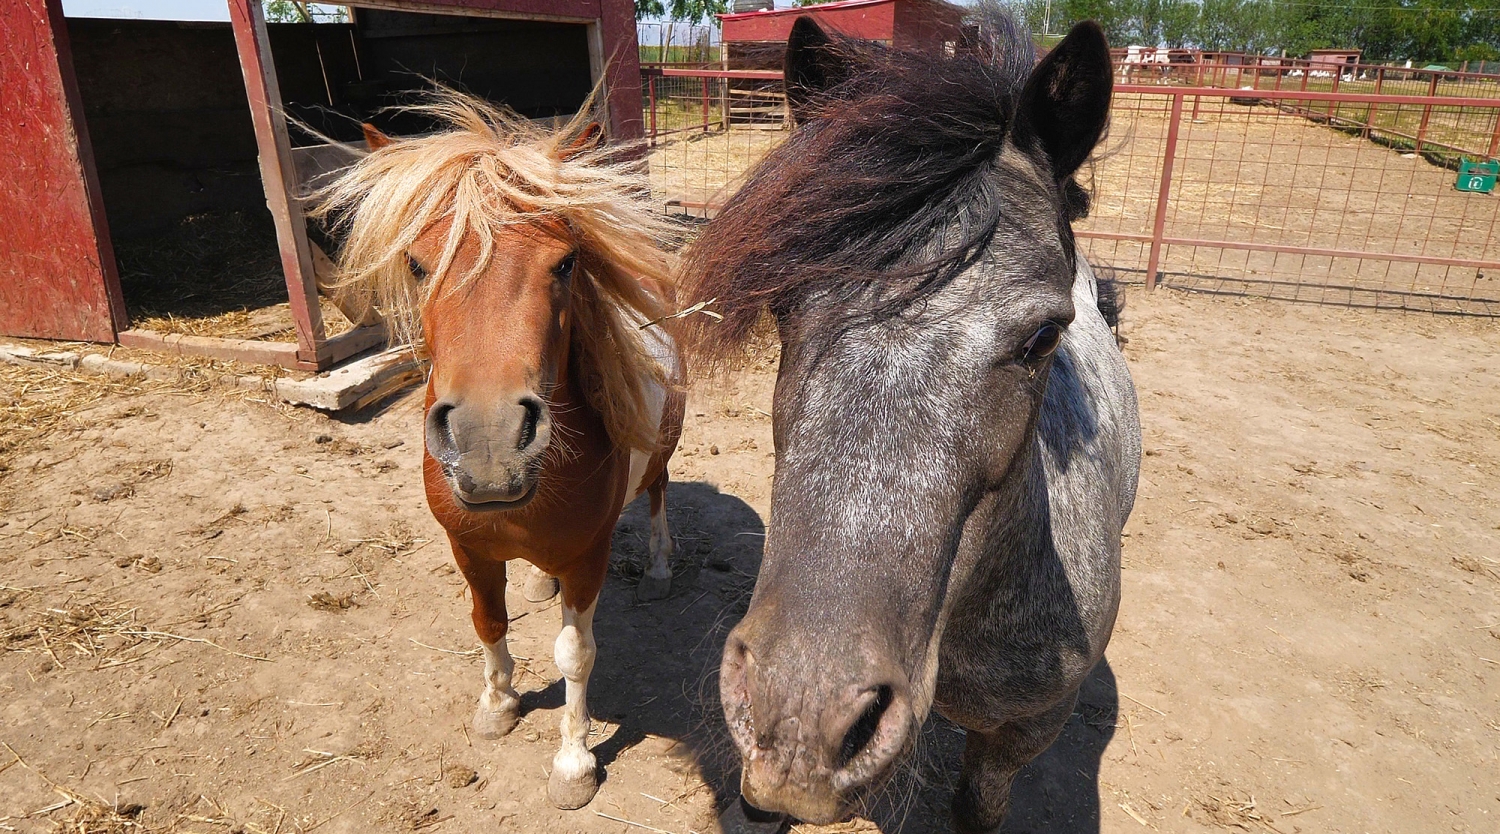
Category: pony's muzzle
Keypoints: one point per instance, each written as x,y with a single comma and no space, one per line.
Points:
490,453
813,741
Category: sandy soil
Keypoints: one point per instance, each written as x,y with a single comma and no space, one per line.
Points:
217,615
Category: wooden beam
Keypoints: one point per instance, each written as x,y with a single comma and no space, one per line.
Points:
284,354
278,173
351,343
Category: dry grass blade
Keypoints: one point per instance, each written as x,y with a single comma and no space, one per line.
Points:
322,759
162,635
466,653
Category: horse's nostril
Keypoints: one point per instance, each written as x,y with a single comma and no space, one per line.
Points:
864,729
440,442
533,416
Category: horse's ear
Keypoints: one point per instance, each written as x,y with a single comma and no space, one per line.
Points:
587,139
814,64
373,137
1065,105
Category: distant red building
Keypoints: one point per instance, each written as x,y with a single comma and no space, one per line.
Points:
757,40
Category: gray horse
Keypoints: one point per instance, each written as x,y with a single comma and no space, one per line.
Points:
956,431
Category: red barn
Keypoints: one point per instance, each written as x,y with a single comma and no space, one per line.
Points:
757,40
118,129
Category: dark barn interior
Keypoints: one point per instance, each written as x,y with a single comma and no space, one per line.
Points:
175,148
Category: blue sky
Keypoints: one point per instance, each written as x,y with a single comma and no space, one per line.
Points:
168,9
149,9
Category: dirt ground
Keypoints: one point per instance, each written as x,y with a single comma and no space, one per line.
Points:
219,615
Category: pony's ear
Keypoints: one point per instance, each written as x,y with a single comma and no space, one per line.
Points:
587,139
814,64
374,139
1065,105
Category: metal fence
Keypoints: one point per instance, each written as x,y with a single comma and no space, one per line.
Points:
1325,196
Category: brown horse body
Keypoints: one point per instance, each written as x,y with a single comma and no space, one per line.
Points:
526,264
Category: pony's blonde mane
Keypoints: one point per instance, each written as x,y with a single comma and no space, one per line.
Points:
489,169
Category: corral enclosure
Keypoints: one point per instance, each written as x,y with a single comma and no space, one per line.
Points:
1314,195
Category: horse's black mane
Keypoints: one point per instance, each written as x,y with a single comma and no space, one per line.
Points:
895,157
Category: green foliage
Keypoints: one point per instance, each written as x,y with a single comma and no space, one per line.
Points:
686,11
1386,30
1476,52
287,11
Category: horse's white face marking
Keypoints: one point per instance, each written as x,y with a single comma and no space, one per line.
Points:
574,654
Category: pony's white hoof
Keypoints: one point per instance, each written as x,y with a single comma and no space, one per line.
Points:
492,724
570,794
539,587
653,587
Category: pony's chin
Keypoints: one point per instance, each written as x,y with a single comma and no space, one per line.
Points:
496,506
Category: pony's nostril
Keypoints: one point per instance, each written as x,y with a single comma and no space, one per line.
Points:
529,421
440,442
863,731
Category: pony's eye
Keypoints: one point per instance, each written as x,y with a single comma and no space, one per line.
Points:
1042,343
564,269
417,271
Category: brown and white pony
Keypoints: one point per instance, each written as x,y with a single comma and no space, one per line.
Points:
523,262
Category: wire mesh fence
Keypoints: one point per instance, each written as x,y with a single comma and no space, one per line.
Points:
1303,195
706,129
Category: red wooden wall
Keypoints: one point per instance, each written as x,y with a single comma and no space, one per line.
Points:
57,269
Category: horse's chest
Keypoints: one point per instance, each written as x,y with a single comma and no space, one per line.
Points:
1017,648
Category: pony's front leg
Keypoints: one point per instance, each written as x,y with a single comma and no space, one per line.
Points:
499,704
574,778
656,581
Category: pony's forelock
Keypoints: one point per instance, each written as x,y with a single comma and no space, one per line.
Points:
892,179
490,169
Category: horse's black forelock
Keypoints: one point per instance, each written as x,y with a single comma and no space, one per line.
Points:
891,179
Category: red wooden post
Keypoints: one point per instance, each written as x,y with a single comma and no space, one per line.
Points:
1370,113
1426,112
1164,192
651,88
57,266
1337,75
278,174
1495,137
705,103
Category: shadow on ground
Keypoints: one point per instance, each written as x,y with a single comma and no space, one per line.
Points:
657,675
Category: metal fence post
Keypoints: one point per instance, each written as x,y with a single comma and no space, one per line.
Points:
1495,137
1373,108
705,103
651,88
1169,155
1426,112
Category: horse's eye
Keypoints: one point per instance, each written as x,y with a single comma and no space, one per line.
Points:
1042,343
417,271
564,269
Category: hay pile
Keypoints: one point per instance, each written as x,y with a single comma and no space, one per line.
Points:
215,274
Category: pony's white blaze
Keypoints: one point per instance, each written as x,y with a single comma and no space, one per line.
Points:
499,704
574,655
